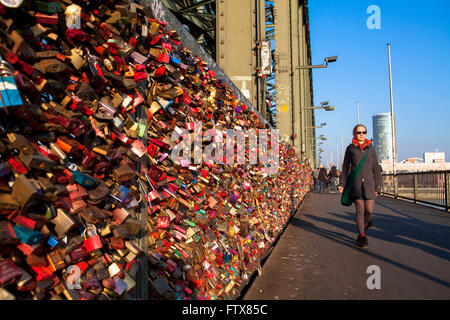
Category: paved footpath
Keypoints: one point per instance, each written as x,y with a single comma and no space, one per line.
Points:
317,258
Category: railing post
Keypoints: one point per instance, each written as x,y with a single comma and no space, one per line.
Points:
140,116
446,190
415,187
395,185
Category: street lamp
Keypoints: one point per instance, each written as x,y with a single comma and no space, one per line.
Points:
320,158
319,138
323,105
321,125
326,60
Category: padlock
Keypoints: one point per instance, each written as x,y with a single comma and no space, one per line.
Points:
7,234
9,272
92,241
123,173
84,179
120,193
99,193
27,235
9,93
20,142
120,214
63,223
37,162
121,232
24,190
129,84
8,203
56,262
92,214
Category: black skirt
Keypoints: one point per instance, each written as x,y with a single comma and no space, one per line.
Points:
362,196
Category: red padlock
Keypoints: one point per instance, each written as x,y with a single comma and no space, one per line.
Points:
92,241
163,222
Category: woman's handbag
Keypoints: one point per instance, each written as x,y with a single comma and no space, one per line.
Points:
346,199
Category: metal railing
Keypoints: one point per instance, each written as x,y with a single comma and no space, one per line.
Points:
431,187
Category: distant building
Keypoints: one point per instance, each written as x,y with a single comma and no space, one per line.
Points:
434,157
432,161
382,136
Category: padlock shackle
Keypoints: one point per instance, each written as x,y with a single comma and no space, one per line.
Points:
89,228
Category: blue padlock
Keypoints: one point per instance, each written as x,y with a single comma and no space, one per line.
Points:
27,235
163,102
9,93
83,179
174,60
52,242
120,193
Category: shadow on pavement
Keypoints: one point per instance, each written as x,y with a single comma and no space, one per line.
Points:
417,208
350,242
396,229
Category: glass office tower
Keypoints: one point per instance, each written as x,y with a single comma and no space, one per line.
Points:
382,136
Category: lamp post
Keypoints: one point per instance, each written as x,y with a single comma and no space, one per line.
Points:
320,158
323,105
303,108
337,156
357,112
394,149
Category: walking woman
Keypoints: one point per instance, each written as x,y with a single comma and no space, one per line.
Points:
360,156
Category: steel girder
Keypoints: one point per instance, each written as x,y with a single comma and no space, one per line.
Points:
200,17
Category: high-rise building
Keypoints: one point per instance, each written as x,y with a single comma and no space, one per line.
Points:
382,136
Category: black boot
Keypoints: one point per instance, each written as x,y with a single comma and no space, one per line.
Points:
362,242
369,224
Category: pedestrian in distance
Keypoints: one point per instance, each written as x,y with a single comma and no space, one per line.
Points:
322,178
360,180
328,179
333,175
316,178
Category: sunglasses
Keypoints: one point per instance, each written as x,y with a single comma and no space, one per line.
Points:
361,132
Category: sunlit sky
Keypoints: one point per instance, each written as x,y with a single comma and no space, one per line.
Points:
419,34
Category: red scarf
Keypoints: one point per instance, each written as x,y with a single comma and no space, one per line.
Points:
361,146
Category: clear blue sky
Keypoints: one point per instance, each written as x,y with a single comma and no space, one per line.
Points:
419,34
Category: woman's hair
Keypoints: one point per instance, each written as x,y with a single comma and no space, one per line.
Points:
356,127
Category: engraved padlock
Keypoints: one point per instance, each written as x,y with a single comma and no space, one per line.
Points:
92,241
